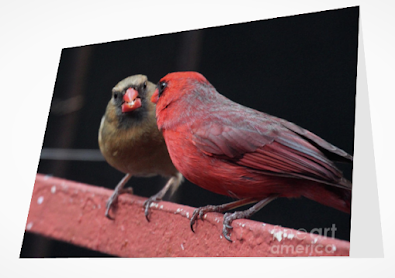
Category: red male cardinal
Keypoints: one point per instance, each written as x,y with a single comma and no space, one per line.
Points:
236,151
130,141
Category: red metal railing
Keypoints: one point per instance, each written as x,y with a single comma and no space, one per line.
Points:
74,212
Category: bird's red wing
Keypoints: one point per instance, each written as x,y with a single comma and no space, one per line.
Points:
342,155
221,140
275,153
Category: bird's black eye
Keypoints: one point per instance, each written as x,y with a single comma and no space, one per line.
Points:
161,87
115,95
145,85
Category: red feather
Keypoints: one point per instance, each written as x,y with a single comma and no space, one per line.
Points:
233,150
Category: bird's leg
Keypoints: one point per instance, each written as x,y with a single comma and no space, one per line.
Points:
229,217
199,212
117,191
173,183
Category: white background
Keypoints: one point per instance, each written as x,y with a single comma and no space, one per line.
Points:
32,36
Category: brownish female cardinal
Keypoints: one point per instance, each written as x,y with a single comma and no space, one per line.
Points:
130,140
236,151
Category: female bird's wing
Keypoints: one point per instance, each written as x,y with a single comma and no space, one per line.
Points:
269,145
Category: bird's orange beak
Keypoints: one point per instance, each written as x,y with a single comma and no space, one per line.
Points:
131,100
155,96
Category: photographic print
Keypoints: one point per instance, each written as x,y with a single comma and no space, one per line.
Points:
102,129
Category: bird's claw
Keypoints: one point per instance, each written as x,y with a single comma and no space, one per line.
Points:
226,235
197,213
108,214
147,205
114,198
228,218
194,217
110,201
228,226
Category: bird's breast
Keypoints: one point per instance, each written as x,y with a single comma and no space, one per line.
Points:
140,151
